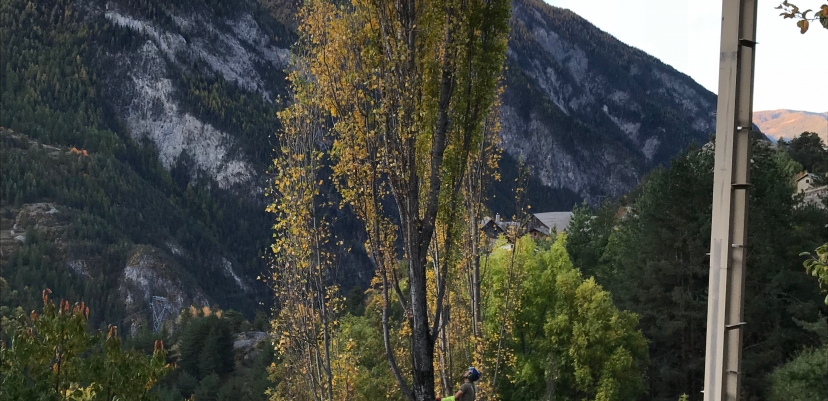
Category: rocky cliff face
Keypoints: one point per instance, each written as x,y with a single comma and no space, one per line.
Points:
148,273
589,113
197,84
144,82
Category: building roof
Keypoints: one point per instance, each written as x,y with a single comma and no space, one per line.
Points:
507,224
558,220
804,174
488,221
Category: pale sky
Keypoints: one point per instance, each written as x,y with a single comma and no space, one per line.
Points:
685,34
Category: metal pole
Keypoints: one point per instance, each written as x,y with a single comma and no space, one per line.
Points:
723,359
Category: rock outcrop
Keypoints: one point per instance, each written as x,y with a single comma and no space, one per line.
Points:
589,113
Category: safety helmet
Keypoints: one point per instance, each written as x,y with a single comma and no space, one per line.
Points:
474,374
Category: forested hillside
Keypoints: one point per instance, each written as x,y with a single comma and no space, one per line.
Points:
173,165
650,251
126,218
181,99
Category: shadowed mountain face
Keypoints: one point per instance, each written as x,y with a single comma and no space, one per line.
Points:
588,113
179,99
788,124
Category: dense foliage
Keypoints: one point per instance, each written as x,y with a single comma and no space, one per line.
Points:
809,151
550,332
52,357
651,255
567,340
209,366
803,377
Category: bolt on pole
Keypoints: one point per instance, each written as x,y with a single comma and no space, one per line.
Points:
731,182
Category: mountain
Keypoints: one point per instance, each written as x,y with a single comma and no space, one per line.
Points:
588,113
788,124
148,127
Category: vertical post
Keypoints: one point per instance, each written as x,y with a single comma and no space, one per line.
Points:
731,177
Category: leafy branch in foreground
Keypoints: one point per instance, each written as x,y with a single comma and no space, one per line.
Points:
790,10
52,357
302,270
817,265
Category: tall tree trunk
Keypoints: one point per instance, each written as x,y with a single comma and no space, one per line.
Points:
422,345
551,379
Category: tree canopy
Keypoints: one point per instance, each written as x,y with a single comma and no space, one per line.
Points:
567,339
406,88
52,357
652,259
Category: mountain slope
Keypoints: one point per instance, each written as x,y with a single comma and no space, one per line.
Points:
589,113
175,103
788,124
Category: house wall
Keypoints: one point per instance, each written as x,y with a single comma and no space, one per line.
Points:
804,184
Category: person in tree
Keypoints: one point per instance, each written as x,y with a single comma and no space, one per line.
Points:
467,391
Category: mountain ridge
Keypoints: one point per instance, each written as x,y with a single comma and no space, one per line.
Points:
787,123
180,99
635,111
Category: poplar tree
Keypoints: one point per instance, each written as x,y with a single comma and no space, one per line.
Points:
302,267
405,86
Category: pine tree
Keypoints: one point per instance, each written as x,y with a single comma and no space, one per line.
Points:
209,360
655,264
208,388
808,150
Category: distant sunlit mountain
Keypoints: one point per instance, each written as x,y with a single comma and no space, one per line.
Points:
790,123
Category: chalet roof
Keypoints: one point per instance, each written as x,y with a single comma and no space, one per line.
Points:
505,225
485,221
488,221
558,220
502,226
804,174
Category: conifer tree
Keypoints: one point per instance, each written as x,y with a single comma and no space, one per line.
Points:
656,264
